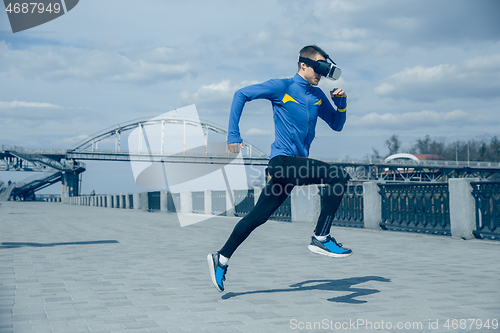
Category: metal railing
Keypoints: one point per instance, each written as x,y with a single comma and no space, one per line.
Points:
154,200
487,196
246,202
284,212
173,202
416,207
350,211
420,207
198,202
219,202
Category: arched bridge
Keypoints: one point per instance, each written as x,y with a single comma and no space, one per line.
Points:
189,140
165,140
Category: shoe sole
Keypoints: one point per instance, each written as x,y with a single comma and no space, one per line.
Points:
317,250
212,272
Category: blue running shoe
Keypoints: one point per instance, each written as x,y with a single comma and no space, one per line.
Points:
329,248
217,271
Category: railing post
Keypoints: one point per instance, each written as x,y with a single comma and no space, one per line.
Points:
186,202
230,210
256,194
372,205
144,203
127,201
306,204
164,201
109,201
462,208
137,200
208,202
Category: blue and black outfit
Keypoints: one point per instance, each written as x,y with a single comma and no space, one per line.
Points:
296,108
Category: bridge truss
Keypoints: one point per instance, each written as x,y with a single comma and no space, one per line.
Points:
65,165
212,151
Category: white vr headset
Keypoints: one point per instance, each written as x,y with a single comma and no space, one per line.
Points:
330,70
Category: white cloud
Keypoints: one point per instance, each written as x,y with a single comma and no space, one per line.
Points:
257,132
75,139
218,91
72,63
339,6
474,78
22,104
416,119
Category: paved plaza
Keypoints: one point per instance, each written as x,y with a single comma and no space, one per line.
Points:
74,269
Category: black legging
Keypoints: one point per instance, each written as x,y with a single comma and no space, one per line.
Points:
287,172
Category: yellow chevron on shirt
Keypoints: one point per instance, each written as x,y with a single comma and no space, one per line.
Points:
318,102
288,98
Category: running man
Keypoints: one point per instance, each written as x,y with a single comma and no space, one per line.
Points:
297,104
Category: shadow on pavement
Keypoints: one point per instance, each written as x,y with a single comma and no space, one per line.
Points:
343,285
9,245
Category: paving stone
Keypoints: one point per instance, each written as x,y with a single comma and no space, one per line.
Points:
114,270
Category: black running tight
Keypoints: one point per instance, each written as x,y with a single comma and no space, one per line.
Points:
287,172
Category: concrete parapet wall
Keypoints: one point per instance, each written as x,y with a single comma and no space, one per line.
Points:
137,201
127,201
462,208
305,204
143,198
208,202
164,201
372,205
230,211
186,202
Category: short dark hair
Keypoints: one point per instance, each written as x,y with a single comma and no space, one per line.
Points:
309,51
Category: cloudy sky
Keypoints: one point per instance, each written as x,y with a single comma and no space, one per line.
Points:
410,68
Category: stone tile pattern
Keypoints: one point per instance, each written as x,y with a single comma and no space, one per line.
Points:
88,269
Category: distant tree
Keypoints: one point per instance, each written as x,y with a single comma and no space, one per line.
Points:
493,154
428,146
422,146
471,150
483,152
376,154
393,144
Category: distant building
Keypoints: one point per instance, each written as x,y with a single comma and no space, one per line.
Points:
428,157
414,157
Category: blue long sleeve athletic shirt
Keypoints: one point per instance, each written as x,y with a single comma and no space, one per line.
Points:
296,108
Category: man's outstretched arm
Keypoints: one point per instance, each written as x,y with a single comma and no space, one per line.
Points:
335,118
266,90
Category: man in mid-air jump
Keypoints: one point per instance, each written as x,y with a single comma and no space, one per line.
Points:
297,104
